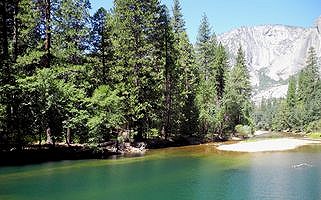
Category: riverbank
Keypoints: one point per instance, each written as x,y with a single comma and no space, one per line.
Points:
33,154
279,144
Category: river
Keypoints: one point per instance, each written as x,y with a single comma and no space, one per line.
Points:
193,172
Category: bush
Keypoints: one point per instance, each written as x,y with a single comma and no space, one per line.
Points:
315,135
314,126
153,133
243,130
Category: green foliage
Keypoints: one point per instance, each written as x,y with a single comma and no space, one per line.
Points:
301,109
153,133
265,113
185,75
131,69
237,103
52,102
142,42
206,95
178,22
243,130
291,95
106,113
314,135
70,31
280,121
314,126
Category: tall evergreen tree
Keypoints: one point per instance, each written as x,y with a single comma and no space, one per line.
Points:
184,77
177,19
187,80
70,31
206,93
308,77
237,103
291,94
203,49
101,46
308,85
220,68
140,40
291,103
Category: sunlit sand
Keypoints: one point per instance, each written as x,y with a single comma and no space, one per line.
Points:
281,144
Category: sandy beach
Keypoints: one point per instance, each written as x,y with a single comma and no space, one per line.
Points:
281,144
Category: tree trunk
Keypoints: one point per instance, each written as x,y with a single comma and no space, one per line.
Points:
6,73
40,139
15,31
68,137
4,31
49,139
168,92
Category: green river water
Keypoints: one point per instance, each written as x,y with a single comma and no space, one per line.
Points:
194,172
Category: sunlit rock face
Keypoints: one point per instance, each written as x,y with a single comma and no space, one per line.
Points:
273,54
318,24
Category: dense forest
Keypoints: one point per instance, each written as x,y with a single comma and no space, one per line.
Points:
129,73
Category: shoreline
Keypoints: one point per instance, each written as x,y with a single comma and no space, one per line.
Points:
267,145
79,152
35,154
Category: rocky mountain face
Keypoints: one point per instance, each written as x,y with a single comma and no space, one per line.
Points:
273,53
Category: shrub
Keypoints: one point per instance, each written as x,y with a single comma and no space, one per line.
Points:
314,126
243,130
153,133
315,135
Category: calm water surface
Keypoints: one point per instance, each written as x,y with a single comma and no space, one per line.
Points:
195,172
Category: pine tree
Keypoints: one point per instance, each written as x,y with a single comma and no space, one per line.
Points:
207,88
187,113
237,103
184,76
203,49
101,46
220,68
177,20
140,43
291,94
308,84
98,21
280,121
170,77
308,77
291,103
70,31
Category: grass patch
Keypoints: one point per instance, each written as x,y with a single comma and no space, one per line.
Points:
251,140
315,135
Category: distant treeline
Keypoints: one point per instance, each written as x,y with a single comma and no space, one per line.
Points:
68,76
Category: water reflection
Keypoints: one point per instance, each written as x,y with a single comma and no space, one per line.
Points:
195,172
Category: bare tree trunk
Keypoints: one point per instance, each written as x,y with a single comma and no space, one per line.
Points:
168,91
40,139
4,31
68,137
15,31
49,139
6,67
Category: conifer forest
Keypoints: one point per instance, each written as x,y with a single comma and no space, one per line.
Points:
131,74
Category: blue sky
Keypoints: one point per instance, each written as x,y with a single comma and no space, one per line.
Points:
225,15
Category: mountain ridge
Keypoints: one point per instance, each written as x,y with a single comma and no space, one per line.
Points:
273,52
